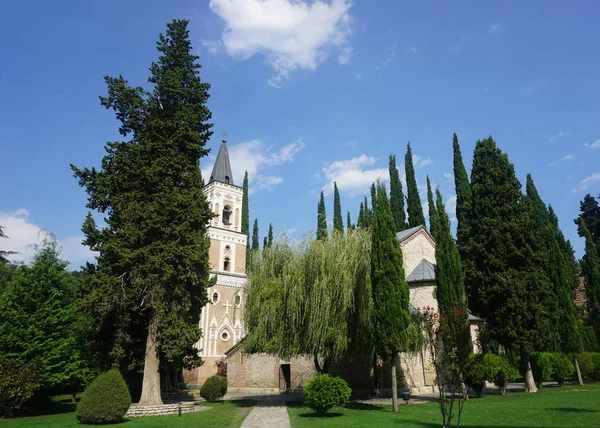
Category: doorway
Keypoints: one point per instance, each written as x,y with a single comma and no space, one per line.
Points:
285,377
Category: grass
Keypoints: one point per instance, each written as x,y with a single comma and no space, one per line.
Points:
570,406
61,413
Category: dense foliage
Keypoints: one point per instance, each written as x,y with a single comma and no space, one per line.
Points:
321,219
396,196
488,367
152,271
338,223
591,271
463,195
413,200
324,392
589,364
549,366
214,388
106,400
18,382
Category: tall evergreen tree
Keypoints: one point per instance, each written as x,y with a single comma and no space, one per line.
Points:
368,213
255,237
321,219
338,223
413,200
265,242
463,196
396,196
270,236
246,216
361,216
149,188
349,225
590,214
502,273
373,196
391,314
591,272
433,215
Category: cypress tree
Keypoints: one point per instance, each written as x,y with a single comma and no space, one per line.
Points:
391,314
368,213
463,196
321,219
149,189
502,273
246,216
433,216
349,224
270,236
591,271
361,216
373,196
396,196
414,207
590,214
338,223
265,242
255,238
450,282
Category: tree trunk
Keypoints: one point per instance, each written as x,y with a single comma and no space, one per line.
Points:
528,376
579,379
73,397
394,383
151,382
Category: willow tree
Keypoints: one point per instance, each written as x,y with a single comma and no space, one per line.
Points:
152,267
311,297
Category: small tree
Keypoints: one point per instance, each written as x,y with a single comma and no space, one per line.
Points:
18,382
106,400
321,219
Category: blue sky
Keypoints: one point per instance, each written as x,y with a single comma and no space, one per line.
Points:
307,93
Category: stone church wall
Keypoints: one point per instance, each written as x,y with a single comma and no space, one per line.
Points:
415,249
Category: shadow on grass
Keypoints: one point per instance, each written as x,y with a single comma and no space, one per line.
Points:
236,403
574,410
320,415
47,408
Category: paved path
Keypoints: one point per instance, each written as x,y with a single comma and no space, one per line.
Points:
269,412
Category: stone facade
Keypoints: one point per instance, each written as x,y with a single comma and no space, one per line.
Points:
166,409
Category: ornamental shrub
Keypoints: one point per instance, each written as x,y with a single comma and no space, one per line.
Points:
541,367
562,368
324,392
17,385
589,365
475,373
106,400
499,371
214,388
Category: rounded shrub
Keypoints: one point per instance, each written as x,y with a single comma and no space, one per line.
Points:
106,400
562,368
541,367
499,371
589,365
476,373
324,392
214,388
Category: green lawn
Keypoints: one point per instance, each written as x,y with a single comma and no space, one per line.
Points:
61,413
570,406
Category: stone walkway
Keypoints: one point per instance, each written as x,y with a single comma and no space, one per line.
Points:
269,412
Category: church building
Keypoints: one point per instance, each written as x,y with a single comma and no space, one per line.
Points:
222,318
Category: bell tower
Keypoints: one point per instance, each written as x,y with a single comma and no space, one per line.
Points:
221,320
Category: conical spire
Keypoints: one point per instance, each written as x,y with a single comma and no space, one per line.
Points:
222,169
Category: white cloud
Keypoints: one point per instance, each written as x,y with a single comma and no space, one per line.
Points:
449,176
568,157
451,204
594,145
291,34
413,50
587,182
353,176
214,47
494,28
254,157
553,164
457,47
560,135
419,162
352,143
390,55
24,235
357,75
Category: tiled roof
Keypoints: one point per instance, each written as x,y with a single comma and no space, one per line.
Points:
222,169
405,234
424,272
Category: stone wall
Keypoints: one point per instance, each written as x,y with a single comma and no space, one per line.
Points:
415,249
166,409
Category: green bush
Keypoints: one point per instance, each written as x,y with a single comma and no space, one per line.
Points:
589,365
562,368
324,392
106,400
499,370
476,373
214,388
17,385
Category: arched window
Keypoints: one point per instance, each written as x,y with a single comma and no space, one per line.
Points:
227,215
215,298
226,264
238,300
227,179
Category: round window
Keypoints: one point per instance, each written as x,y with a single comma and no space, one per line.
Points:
225,336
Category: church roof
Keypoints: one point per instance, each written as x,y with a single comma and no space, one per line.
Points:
424,272
405,234
222,169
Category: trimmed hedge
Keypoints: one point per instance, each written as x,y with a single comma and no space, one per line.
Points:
214,388
324,392
589,365
106,400
491,368
547,366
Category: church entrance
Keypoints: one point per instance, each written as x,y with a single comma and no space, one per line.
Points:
285,377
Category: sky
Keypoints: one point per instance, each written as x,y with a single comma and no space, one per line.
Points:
307,92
